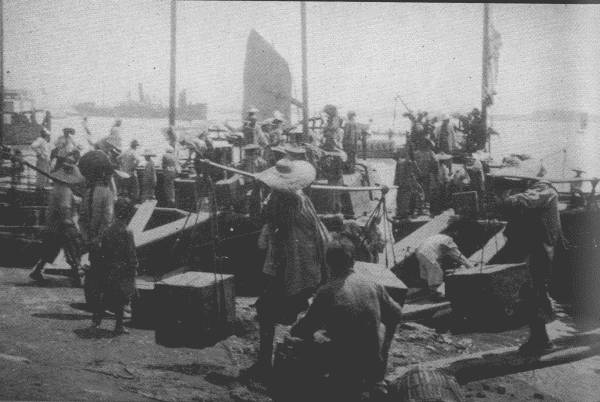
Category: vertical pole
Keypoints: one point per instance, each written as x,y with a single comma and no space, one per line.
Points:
304,71
484,72
173,48
1,71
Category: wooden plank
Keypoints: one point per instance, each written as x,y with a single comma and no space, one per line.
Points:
406,246
158,233
491,248
142,216
380,274
504,361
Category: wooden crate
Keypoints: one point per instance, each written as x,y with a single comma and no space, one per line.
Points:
489,292
143,305
380,274
194,309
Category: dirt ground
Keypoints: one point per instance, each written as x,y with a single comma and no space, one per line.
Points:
48,352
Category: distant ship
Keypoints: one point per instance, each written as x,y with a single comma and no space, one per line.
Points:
21,121
145,109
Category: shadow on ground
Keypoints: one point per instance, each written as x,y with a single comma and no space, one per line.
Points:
46,283
93,333
63,316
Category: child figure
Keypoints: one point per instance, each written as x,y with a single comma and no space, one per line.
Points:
119,265
149,177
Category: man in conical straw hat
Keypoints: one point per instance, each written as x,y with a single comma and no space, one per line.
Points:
295,241
62,232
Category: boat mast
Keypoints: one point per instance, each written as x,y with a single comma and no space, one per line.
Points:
304,71
1,71
173,48
484,73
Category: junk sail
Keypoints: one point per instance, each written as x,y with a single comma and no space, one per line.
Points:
267,79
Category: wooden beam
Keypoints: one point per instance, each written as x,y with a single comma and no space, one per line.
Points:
142,216
491,248
159,233
406,246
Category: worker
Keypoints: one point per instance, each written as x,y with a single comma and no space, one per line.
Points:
170,169
331,166
62,231
294,267
439,181
63,147
332,128
433,255
536,231
96,215
424,158
445,136
252,162
359,318
115,134
119,265
409,192
148,177
128,163
350,141
43,149
47,122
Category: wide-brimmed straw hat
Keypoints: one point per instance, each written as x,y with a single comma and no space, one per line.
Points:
95,165
278,116
252,110
250,147
279,149
295,149
288,175
443,157
69,173
148,152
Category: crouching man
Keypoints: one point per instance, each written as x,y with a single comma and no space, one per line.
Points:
360,319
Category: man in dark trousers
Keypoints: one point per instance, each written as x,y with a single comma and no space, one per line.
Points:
538,231
359,317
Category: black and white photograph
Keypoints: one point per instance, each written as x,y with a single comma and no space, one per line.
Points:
296,201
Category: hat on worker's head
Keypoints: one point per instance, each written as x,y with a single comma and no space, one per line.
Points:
68,130
288,175
95,165
250,147
444,117
295,149
278,149
278,117
134,144
351,114
443,157
252,110
331,110
68,172
148,152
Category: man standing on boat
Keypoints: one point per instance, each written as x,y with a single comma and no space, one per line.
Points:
128,163
43,149
332,128
273,129
537,231
445,136
63,147
409,192
350,141
62,230
295,241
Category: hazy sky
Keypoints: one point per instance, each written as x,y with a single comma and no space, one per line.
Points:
360,55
